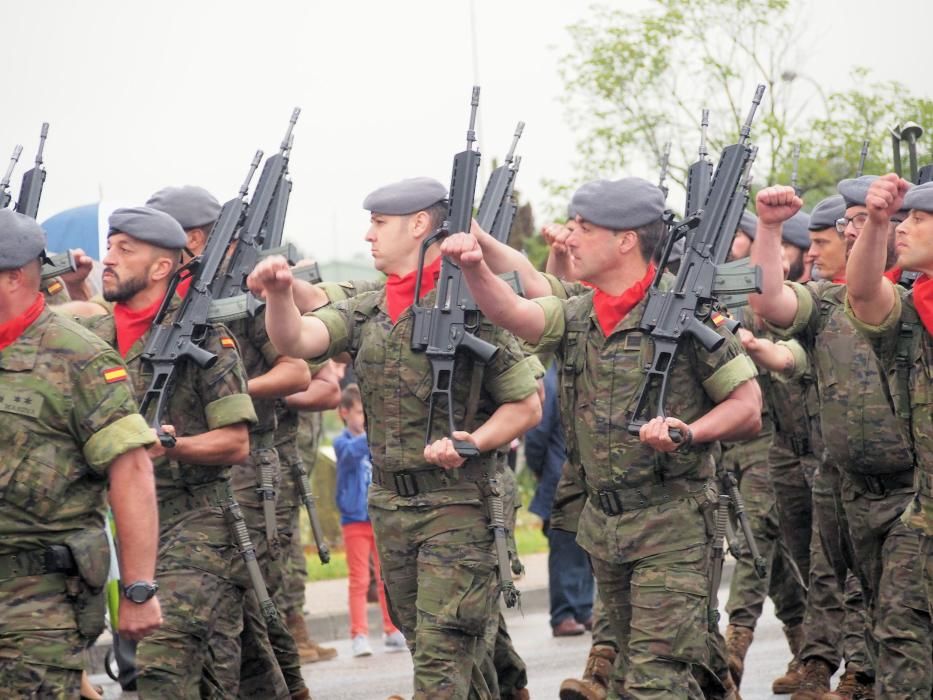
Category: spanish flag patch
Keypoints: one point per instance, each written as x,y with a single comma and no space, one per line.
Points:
227,342
54,288
115,374
717,318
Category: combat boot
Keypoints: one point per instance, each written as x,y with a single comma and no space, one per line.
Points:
595,682
815,682
791,680
308,650
738,640
852,686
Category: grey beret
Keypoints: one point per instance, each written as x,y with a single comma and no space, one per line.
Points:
796,230
21,240
619,205
825,213
854,189
148,225
748,224
920,197
405,197
189,205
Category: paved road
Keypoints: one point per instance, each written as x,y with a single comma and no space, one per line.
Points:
549,661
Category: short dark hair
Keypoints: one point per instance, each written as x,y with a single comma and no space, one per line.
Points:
650,237
437,213
350,396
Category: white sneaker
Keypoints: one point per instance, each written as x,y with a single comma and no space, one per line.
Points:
394,642
361,646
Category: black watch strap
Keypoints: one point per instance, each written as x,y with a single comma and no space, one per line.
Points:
140,591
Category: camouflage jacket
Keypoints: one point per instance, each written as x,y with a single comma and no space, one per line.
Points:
858,426
600,378
905,351
396,383
201,400
66,412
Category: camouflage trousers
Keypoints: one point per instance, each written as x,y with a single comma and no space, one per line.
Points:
270,655
439,568
887,558
749,462
835,620
792,479
290,598
657,606
926,568
201,602
41,650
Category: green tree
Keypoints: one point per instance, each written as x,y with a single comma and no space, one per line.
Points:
637,79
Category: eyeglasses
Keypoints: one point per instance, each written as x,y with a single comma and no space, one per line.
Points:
857,221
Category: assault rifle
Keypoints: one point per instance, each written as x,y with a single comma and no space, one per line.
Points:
863,154
674,315
30,190
497,208
259,219
440,331
795,162
665,162
181,337
5,195
699,173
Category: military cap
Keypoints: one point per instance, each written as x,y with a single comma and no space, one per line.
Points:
148,225
21,240
854,189
405,197
189,205
825,213
619,205
748,224
920,197
796,230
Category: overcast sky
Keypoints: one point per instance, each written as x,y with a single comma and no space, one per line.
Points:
143,95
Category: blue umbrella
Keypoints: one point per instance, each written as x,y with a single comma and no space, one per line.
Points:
78,227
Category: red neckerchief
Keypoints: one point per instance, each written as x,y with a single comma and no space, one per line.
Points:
132,325
839,280
400,289
13,329
181,289
923,301
894,274
610,310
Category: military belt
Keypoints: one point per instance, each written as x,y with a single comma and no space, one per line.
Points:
882,484
410,483
212,495
618,501
55,559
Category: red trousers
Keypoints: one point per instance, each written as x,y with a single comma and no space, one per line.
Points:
360,544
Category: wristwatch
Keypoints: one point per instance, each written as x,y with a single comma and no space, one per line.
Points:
140,591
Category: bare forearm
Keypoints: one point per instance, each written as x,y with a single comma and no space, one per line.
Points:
133,501
509,421
776,303
502,306
502,258
772,357
290,333
870,296
307,296
323,392
287,376
737,417
221,447
560,266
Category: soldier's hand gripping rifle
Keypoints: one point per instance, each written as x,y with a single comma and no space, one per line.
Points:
674,316
249,239
442,330
182,337
5,196
496,208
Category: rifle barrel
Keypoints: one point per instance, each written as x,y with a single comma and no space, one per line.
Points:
704,125
474,106
862,156
14,159
747,126
287,141
43,134
244,188
518,134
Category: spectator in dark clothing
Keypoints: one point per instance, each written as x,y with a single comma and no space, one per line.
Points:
570,579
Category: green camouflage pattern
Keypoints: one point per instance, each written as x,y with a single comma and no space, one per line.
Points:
61,425
200,593
435,548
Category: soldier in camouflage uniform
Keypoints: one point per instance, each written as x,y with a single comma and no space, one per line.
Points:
650,559
68,424
898,323
209,413
256,481
862,438
435,546
296,462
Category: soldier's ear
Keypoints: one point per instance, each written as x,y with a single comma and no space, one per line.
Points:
627,240
419,224
161,268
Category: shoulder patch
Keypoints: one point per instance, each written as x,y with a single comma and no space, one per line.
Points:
717,318
227,342
54,288
115,374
